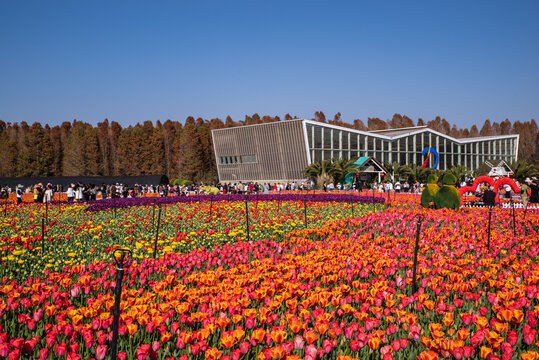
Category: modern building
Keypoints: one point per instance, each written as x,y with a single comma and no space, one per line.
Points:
279,151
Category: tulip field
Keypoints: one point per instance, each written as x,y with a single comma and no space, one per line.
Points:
295,277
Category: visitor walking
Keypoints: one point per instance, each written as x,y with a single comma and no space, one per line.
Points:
524,192
19,194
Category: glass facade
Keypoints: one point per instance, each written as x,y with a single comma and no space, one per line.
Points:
326,142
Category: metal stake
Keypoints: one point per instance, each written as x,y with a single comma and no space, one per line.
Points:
305,211
157,233
489,216
42,235
121,263
414,285
513,212
247,218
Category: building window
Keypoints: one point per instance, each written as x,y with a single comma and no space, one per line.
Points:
237,159
248,159
310,135
336,139
327,154
344,140
317,137
327,138
353,142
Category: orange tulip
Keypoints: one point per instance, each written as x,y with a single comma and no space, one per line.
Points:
278,336
258,335
238,334
448,319
463,334
481,322
428,355
132,329
374,343
213,354
485,352
310,336
277,352
530,355
227,341
518,316
321,327
222,322
292,303
295,326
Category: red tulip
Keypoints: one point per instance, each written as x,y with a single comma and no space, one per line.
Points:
142,352
458,353
235,355
15,355
60,349
529,338
404,343
28,346
72,356
468,351
43,354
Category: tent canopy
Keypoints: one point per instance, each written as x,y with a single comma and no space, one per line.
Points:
365,165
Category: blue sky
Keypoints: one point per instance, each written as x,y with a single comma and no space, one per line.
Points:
131,61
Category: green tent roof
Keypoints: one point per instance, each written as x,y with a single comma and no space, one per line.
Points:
361,160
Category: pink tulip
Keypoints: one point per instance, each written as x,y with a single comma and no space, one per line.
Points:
299,343
100,352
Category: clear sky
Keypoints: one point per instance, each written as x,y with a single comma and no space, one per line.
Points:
131,61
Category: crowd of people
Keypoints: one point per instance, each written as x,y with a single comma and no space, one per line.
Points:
529,189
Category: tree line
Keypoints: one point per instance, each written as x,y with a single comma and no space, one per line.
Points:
179,150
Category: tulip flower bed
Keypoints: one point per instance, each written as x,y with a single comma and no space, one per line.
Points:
338,289
73,235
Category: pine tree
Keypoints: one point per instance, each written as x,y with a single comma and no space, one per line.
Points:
486,130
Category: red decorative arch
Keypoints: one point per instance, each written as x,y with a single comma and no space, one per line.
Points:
487,179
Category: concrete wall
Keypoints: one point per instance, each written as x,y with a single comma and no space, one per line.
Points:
280,149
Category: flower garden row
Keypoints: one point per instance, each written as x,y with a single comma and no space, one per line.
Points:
340,288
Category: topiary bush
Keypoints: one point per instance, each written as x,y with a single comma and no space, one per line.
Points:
448,196
427,196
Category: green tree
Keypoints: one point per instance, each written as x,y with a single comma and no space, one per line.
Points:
340,168
522,170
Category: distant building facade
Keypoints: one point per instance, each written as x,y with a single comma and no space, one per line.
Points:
280,151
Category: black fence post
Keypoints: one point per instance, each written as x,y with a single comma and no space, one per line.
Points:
489,216
247,217
416,249
42,235
211,205
513,213
153,214
373,204
47,210
114,206
351,205
121,263
305,211
157,233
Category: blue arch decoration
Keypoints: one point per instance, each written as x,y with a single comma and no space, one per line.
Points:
432,151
